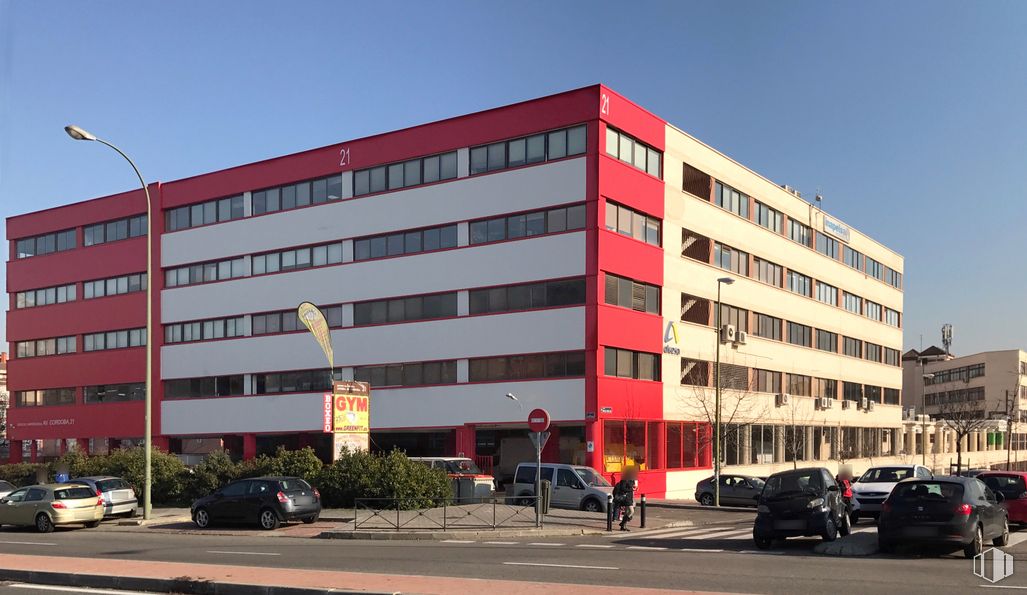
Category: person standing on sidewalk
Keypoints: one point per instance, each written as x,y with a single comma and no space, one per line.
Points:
624,496
844,479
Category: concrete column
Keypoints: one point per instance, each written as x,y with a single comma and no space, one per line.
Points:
746,446
910,441
249,446
16,455
807,455
939,438
779,444
964,443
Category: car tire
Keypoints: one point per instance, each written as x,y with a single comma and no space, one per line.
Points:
268,520
976,545
201,518
92,524
706,499
1003,539
830,531
525,500
763,542
310,520
43,523
854,518
591,505
884,546
844,528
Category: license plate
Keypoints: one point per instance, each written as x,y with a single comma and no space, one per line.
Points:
921,531
790,525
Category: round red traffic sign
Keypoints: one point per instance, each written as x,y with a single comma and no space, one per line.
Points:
538,420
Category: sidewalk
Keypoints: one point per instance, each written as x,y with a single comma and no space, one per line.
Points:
174,577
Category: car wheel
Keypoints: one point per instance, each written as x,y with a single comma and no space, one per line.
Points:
763,542
591,505
883,545
844,528
92,524
43,523
976,545
310,520
201,518
525,500
854,518
269,520
830,531
1003,539
706,499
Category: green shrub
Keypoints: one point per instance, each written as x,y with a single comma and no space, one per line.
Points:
364,475
215,471
20,474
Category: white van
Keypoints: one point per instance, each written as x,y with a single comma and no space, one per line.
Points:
572,486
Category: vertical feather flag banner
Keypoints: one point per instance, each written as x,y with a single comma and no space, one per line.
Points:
312,317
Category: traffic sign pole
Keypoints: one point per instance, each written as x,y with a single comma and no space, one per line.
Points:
538,422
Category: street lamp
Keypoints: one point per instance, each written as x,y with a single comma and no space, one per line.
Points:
538,466
514,398
79,134
716,425
923,418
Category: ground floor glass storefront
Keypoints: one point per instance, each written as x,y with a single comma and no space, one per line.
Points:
761,444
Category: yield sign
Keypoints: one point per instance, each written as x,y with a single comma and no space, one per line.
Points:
537,437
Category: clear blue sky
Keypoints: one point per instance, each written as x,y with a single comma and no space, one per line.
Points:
911,117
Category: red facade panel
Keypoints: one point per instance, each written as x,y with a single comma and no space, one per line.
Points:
108,420
81,316
75,370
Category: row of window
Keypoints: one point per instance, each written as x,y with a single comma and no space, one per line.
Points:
962,395
413,172
634,152
41,347
114,286
45,297
112,231
421,307
294,196
288,320
113,393
300,258
293,382
525,367
527,224
209,386
410,242
762,444
407,374
527,296
205,273
49,396
45,244
220,328
625,363
205,213
964,373
114,339
529,149
627,293
632,223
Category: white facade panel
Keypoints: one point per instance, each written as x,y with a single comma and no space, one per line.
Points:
533,259
560,329
466,198
266,413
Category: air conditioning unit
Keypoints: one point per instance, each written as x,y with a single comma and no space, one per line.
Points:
740,337
846,404
825,402
781,400
870,405
727,333
863,403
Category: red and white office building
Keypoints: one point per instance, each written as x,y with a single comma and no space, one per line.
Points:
539,249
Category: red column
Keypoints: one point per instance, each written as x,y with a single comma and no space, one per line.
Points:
551,453
594,435
82,445
34,452
62,446
465,441
249,446
15,455
160,443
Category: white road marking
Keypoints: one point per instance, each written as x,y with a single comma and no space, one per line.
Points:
457,541
761,552
1001,587
561,565
547,544
1016,538
27,543
74,589
595,545
704,534
501,542
698,549
242,553
645,547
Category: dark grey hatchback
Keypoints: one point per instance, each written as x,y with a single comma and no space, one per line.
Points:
267,501
800,502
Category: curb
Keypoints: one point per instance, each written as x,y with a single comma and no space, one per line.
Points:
701,507
385,535
165,585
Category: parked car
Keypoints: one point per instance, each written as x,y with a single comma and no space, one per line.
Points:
800,502
572,486
469,482
972,472
959,511
119,499
266,501
6,487
870,490
46,506
737,490
1013,487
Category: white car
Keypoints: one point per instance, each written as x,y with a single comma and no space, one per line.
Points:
6,487
870,490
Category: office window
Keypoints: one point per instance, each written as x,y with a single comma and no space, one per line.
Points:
769,218
405,309
872,310
853,303
527,224
114,286
528,149
404,242
45,397
873,352
114,393
731,259
631,364
875,269
207,272
632,223
827,341
768,381
525,367
45,244
43,347
44,297
827,293
852,391
892,317
767,327
695,181
205,213
852,347
632,294
800,233
798,384
853,258
893,278
825,387
114,339
693,372
299,194
217,328
407,374
736,316
800,334
112,231
290,260
527,296
799,283
405,174
208,386
767,271
634,152
284,321
728,198
827,246
892,357
298,381
892,396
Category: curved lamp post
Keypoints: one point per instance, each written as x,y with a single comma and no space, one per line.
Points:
79,134
716,424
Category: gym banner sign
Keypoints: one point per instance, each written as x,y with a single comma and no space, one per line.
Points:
351,407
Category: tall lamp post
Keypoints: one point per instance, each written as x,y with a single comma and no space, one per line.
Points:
79,134
923,419
716,424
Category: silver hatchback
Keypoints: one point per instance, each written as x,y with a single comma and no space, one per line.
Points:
119,499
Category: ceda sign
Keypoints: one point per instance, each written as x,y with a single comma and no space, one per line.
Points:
670,339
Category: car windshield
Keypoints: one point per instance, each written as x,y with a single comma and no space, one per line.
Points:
757,482
886,475
936,491
792,484
6,486
463,467
73,494
591,477
107,485
1011,486
287,485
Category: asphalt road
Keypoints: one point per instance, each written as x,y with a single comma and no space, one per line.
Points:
711,558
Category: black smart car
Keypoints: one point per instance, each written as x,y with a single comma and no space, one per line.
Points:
800,502
267,501
954,511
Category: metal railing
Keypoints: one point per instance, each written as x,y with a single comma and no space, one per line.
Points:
441,514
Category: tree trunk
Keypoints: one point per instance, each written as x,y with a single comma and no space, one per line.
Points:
959,456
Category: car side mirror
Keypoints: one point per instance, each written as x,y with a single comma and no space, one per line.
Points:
832,488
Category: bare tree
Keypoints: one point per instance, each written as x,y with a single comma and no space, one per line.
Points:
799,414
964,417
